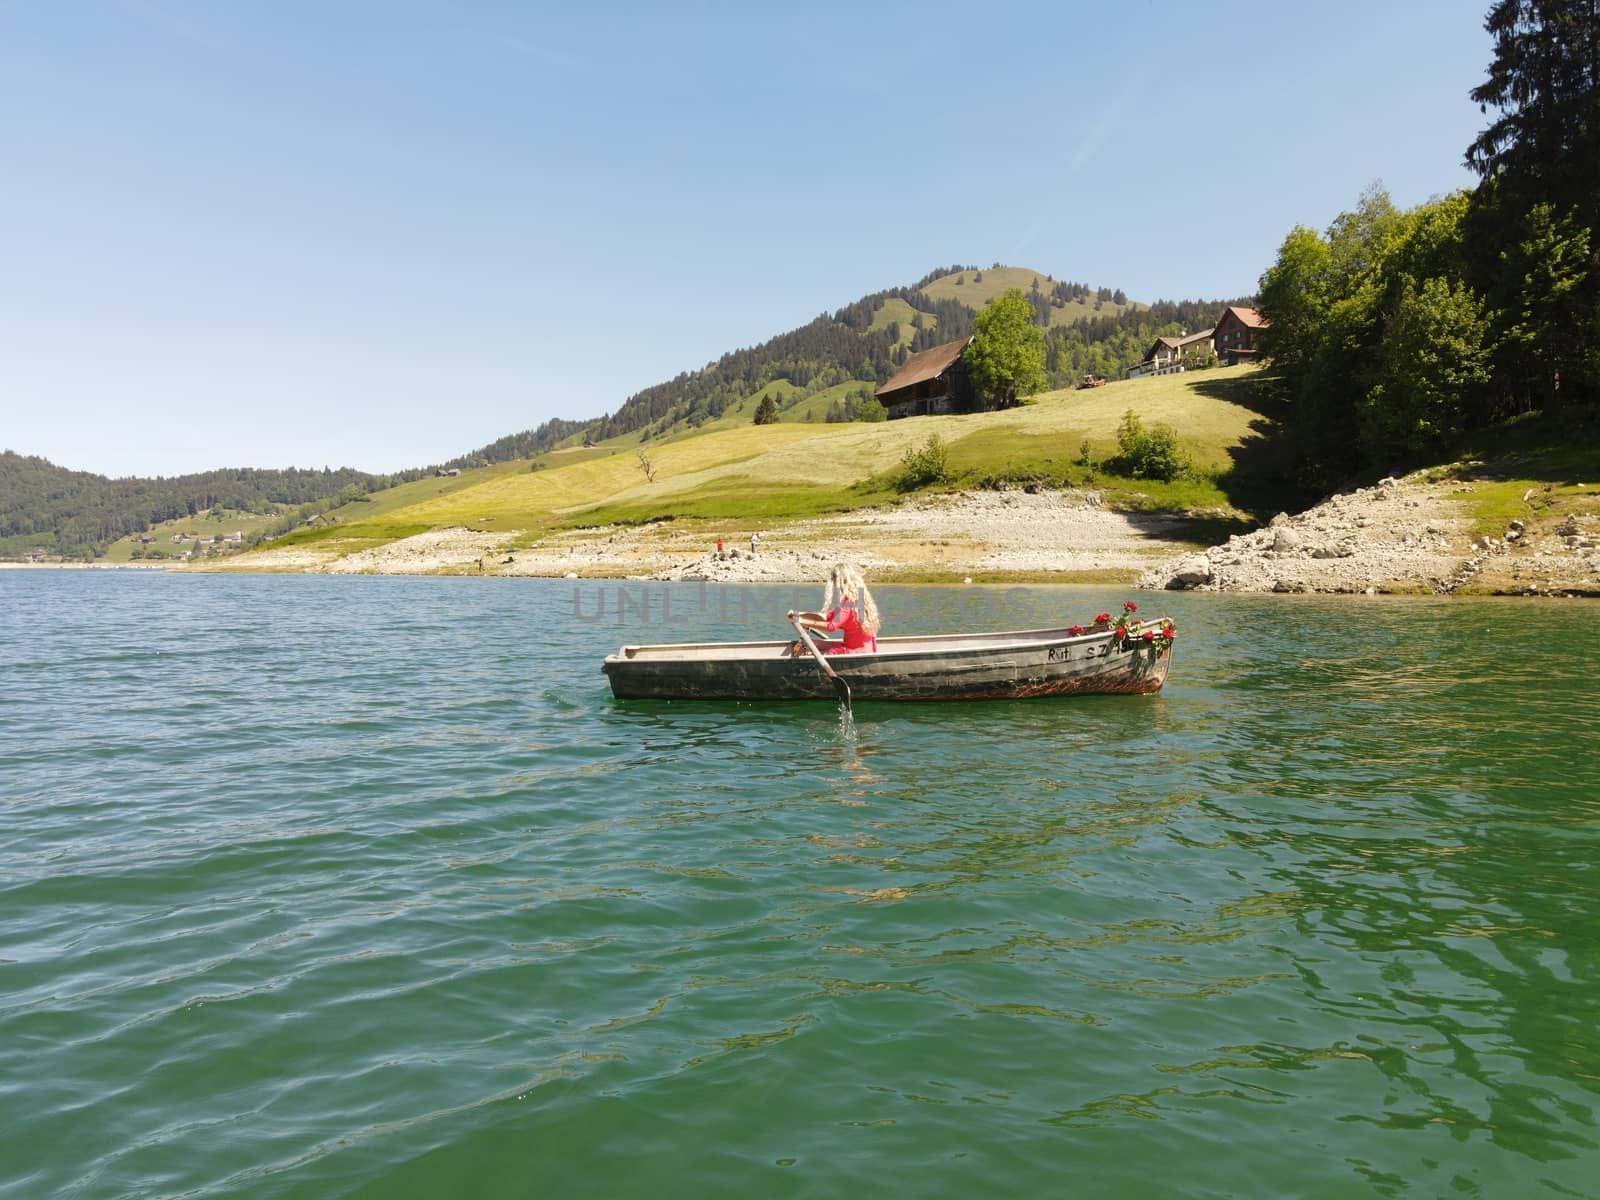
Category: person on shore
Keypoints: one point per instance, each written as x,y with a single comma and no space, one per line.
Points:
719,548
855,617
754,538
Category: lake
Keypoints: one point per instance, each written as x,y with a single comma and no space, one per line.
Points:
318,887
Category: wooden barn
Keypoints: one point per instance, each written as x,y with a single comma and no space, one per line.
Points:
932,381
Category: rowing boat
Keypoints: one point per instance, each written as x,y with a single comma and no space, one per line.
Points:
1130,658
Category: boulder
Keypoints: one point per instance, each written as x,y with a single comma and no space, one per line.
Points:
1191,572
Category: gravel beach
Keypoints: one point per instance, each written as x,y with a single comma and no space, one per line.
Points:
1402,535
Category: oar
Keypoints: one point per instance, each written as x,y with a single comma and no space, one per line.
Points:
839,684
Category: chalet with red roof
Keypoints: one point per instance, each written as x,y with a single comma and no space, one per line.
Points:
931,381
1238,334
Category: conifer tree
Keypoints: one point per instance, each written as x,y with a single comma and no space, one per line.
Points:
1537,212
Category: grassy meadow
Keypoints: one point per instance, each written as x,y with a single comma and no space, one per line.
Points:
208,524
895,310
732,469
1532,470
975,293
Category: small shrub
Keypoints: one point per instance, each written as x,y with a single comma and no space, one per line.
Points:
1151,453
924,465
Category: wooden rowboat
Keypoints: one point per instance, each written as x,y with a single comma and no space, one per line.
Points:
966,666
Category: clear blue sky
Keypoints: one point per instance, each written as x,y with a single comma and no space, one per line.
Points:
381,233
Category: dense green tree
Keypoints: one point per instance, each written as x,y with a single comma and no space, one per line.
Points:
1540,287
1005,361
1537,212
766,411
1296,291
1381,343
1434,358
1544,85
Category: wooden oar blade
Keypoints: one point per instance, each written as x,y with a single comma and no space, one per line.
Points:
839,685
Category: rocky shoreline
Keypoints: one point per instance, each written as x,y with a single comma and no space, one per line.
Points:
1412,535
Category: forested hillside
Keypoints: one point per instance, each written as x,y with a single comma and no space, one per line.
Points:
521,445
868,339
76,513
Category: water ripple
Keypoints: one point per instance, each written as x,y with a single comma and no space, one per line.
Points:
322,887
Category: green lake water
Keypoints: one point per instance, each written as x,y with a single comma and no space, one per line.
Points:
318,887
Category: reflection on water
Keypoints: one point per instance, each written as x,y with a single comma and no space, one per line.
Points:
391,895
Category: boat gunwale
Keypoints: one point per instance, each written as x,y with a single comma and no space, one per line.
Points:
1020,639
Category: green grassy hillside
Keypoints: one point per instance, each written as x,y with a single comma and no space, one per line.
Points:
197,532
852,344
895,311
975,289
795,469
971,289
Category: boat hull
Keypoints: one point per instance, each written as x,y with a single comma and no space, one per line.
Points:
1007,666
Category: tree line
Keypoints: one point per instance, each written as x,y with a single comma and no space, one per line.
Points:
527,444
77,514
1395,334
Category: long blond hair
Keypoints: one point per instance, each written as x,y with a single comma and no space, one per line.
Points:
846,580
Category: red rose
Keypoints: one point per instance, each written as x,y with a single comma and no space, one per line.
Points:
1129,606
1075,631
1149,635
1103,619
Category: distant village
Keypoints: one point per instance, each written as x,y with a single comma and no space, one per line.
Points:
184,546
935,381
199,547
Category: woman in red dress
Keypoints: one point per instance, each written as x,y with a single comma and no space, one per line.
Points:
855,617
